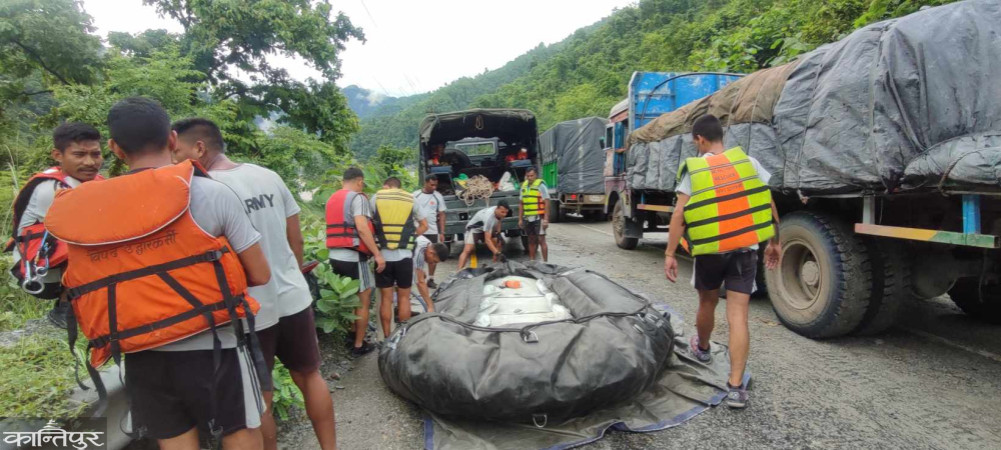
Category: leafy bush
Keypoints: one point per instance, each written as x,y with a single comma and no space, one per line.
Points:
337,302
286,394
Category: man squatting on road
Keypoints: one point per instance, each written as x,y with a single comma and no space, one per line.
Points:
724,210
433,204
285,323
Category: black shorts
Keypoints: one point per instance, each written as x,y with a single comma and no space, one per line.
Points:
431,237
355,270
293,341
534,228
397,273
172,392
737,269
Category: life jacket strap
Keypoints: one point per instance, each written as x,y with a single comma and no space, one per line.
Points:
745,212
211,256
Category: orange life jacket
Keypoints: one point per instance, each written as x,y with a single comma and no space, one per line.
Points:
37,248
141,272
341,230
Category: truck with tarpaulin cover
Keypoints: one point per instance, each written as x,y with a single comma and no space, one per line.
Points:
885,155
636,209
573,160
499,144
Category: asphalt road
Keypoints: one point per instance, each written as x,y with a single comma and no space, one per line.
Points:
931,382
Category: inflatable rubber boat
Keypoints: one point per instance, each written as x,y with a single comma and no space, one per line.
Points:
528,343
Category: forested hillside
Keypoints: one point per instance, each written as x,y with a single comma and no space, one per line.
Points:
587,73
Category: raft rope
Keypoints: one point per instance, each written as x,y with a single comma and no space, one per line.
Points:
476,188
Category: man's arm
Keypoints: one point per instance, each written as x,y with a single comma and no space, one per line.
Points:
255,265
365,234
545,209
441,222
293,233
674,237
773,252
422,288
422,226
489,237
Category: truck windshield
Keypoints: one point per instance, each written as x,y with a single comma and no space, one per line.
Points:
477,148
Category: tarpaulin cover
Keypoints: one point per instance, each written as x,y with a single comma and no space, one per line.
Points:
575,145
510,125
907,104
553,383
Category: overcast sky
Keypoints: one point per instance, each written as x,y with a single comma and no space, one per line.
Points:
412,46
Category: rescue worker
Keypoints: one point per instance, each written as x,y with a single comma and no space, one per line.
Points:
427,253
285,325
394,214
77,150
719,191
486,225
164,297
351,240
432,204
533,215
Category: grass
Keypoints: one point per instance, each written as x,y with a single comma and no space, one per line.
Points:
37,379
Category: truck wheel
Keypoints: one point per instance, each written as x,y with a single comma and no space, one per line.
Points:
619,229
891,287
524,243
822,287
980,302
556,214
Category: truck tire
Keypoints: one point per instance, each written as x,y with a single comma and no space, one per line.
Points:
556,214
891,287
524,243
619,229
822,286
980,302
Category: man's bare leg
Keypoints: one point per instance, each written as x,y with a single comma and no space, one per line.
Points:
466,251
386,310
533,243
403,305
361,325
319,406
740,337
269,430
705,318
186,441
245,439
545,248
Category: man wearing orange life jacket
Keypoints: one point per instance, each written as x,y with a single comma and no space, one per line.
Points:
731,198
77,149
351,240
285,325
159,263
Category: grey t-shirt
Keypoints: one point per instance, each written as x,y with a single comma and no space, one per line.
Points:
420,260
359,207
544,192
401,253
685,185
431,204
218,211
269,204
38,205
484,219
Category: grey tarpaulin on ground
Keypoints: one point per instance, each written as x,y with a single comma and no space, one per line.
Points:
907,104
612,367
575,145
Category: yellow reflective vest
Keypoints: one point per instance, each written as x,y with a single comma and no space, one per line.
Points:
531,198
394,219
730,208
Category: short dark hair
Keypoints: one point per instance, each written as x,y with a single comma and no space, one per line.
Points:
430,178
503,204
393,182
441,250
709,127
202,129
353,173
71,132
532,169
138,124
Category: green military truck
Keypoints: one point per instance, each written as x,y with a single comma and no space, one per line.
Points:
499,144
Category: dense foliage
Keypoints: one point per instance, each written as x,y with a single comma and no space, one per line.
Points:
586,74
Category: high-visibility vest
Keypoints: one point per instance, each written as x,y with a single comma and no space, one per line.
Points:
532,202
394,219
730,208
141,272
34,245
341,229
